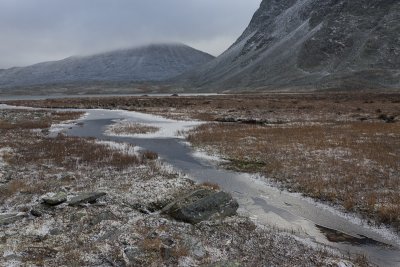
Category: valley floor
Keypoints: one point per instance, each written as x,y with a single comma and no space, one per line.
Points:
121,225
340,148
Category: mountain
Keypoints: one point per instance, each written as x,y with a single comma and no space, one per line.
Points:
156,62
310,44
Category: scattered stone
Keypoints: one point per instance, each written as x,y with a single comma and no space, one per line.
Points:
103,216
202,205
84,198
41,209
55,231
8,218
55,199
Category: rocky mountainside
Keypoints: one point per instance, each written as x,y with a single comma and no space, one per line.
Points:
310,44
147,63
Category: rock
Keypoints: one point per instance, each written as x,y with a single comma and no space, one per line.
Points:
202,205
55,231
41,209
195,246
55,199
133,255
83,198
36,212
7,218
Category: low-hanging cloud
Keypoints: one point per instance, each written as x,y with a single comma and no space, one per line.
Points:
39,30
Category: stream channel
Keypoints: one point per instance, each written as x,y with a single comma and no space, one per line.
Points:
258,199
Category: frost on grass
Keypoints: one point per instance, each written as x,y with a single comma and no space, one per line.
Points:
129,128
123,228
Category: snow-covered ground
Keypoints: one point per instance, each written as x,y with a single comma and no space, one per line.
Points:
167,128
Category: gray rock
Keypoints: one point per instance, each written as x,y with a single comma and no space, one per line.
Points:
7,218
41,209
195,246
55,231
55,200
133,255
83,198
36,212
202,205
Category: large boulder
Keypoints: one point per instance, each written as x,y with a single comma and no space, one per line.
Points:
202,205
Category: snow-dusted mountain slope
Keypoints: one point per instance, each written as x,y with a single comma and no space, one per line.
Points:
310,44
148,63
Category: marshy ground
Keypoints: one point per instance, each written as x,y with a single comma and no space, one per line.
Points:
339,148
124,227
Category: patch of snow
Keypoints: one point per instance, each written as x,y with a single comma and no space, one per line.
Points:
202,154
40,228
61,127
168,128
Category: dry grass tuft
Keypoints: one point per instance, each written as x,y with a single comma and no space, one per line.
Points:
210,185
130,128
11,189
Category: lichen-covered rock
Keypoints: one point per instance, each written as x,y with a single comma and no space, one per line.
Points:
87,197
55,199
202,205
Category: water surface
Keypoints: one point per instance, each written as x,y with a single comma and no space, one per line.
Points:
257,199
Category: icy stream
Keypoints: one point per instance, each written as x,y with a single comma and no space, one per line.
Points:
312,222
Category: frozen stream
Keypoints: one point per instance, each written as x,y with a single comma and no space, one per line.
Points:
265,204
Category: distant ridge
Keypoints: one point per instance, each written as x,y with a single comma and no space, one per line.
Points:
156,62
310,45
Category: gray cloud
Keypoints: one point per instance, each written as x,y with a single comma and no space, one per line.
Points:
39,30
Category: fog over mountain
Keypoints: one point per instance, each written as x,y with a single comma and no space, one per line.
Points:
147,63
310,44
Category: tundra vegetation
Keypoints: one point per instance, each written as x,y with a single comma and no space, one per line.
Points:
69,201
341,148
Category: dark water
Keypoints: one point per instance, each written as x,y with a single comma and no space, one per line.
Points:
263,203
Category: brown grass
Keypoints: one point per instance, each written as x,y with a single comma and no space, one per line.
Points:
70,152
210,185
355,164
131,128
11,189
149,155
23,120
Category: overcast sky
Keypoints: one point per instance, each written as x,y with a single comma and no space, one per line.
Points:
32,31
